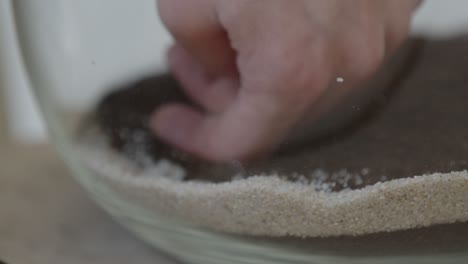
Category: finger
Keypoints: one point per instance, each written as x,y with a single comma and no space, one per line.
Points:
195,26
253,124
214,94
231,136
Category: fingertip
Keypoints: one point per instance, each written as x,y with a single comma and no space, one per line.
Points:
192,132
176,125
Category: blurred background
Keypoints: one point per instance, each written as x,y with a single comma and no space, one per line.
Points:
137,29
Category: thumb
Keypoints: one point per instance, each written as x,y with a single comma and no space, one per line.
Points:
195,26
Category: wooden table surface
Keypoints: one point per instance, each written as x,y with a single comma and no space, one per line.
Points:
46,218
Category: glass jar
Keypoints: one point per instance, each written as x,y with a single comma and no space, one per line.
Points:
76,52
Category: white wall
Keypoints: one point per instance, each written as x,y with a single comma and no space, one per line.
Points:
442,17
25,123
91,44
89,26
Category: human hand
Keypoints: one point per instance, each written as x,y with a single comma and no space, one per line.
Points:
258,66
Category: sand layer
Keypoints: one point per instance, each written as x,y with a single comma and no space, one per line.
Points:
401,166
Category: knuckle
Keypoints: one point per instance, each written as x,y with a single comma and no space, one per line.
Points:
364,60
166,12
397,35
298,64
363,47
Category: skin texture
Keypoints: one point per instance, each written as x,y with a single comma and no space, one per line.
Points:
258,67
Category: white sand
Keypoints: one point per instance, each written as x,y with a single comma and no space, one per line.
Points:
270,206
